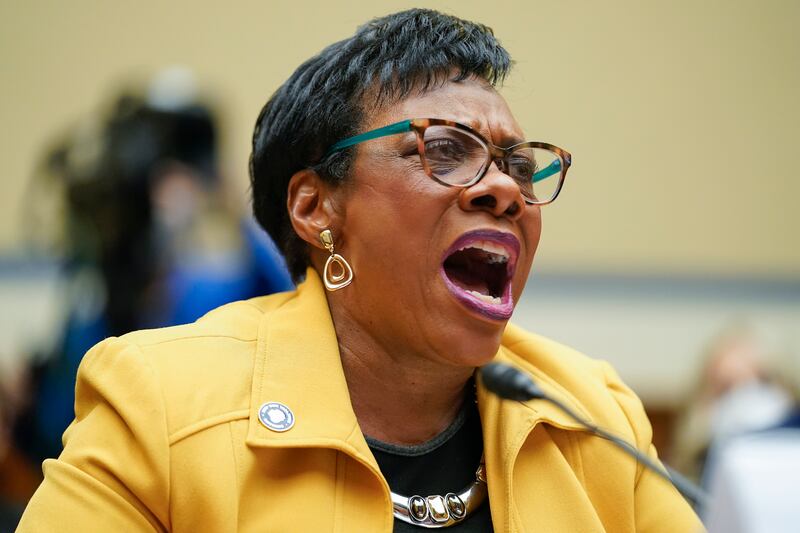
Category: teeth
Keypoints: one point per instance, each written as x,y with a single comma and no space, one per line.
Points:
498,253
485,298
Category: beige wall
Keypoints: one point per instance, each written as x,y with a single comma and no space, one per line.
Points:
682,117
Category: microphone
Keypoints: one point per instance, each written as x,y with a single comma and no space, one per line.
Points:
510,383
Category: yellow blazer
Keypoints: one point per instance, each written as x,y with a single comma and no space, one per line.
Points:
167,437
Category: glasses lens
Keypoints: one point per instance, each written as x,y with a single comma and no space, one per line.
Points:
538,172
454,156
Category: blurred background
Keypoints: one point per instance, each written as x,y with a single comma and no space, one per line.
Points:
672,252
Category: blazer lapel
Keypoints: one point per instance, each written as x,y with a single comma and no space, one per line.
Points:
298,365
507,425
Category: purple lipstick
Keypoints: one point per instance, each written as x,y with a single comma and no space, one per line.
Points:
478,269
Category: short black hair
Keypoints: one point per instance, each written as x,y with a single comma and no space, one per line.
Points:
322,102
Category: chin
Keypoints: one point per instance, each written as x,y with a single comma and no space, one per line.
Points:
473,349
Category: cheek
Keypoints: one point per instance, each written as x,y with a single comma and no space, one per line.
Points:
397,199
532,232
382,227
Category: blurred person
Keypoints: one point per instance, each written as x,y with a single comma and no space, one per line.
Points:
148,239
751,445
401,189
737,393
17,480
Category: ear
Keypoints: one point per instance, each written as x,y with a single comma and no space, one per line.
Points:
311,205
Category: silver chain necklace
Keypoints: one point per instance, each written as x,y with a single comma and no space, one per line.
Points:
442,511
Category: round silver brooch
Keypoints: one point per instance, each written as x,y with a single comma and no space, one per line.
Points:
276,416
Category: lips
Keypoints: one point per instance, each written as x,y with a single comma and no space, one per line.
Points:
478,269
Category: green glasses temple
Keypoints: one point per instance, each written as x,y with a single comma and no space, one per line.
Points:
391,129
405,126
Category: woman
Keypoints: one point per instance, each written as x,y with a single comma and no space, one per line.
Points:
397,181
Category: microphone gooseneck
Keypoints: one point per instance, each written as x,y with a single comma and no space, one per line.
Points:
510,383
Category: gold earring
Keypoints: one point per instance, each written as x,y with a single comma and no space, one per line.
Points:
338,279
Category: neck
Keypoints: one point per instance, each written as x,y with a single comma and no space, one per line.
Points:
399,396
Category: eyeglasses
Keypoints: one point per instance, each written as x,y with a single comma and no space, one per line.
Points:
456,155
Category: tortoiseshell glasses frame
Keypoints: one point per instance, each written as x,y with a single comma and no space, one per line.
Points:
472,170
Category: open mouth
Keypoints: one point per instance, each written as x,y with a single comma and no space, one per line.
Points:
478,269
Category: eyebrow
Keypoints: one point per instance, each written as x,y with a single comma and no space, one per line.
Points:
506,139
510,140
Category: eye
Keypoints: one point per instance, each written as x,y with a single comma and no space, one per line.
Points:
408,147
521,167
443,149
452,155
443,155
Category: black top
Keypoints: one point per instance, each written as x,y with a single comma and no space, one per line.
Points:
446,463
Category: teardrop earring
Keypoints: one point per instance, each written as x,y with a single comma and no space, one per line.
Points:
337,273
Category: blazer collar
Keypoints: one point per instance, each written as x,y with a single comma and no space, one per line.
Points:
507,423
298,365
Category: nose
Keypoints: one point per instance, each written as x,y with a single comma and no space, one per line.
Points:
496,193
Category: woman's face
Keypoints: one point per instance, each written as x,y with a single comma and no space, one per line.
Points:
438,269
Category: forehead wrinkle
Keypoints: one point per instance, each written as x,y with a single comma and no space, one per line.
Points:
507,138
493,122
372,104
491,127
505,133
495,131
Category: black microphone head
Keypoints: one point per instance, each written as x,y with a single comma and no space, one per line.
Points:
509,383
